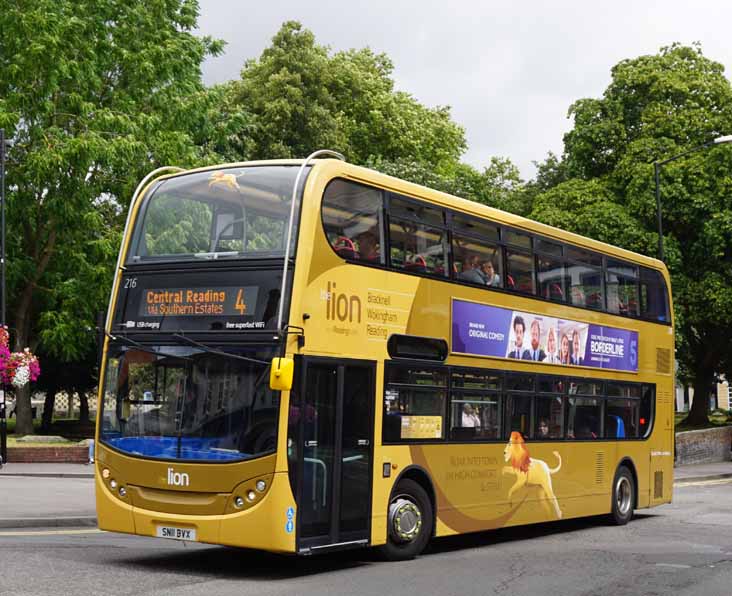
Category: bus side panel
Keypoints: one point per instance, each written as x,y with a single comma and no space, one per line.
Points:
660,476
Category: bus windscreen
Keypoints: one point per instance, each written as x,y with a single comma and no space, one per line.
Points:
188,403
216,214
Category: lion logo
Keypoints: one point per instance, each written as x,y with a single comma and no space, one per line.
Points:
227,181
529,471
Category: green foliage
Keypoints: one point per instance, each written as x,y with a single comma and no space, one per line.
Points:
95,93
497,186
302,98
657,107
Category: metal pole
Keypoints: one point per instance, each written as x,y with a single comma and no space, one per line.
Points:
657,170
304,165
3,420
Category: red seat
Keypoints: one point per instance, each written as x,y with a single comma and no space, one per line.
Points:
344,247
417,265
555,292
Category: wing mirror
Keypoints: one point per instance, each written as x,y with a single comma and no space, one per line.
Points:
281,374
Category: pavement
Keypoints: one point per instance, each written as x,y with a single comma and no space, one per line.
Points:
62,495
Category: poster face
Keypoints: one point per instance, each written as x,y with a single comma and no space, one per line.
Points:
484,330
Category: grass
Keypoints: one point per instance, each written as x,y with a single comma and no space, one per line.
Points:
11,426
13,442
716,418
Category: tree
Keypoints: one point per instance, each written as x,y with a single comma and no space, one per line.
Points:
497,186
656,107
302,98
95,93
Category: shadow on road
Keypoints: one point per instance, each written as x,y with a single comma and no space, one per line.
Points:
232,563
519,533
227,562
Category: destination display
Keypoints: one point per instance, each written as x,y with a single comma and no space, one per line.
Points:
190,302
198,301
483,330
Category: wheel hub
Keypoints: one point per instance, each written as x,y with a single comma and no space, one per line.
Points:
405,519
623,494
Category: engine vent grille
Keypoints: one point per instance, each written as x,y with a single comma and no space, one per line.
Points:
658,485
663,361
599,467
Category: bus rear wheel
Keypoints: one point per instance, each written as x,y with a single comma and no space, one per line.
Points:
623,501
409,522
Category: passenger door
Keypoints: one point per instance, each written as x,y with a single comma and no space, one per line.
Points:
334,500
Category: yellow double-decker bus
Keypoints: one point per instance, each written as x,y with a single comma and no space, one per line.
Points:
309,355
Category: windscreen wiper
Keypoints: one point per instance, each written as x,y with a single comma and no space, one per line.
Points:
212,256
210,350
143,348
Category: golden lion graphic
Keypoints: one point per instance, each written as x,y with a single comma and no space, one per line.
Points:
528,471
227,181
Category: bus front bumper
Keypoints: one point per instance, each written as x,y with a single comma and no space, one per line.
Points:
267,525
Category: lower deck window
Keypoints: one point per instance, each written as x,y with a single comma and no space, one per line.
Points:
583,418
518,418
474,416
549,419
414,404
432,403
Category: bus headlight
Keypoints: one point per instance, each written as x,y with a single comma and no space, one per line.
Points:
261,485
251,495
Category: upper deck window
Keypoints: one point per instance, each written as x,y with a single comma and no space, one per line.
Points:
352,215
417,247
653,295
226,213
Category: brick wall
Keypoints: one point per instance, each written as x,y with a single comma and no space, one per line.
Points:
704,446
36,455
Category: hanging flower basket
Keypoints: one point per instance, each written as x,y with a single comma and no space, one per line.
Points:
16,368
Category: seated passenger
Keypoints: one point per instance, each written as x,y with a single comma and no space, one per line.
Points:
470,417
489,272
368,247
577,295
471,270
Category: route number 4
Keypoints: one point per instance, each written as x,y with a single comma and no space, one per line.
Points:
240,305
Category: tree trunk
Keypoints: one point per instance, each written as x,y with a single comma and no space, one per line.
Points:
699,411
23,317
48,405
83,407
23,414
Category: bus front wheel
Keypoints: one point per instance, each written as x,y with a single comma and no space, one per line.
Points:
623,497
409,522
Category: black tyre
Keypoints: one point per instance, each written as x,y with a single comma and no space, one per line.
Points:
410,520
623,497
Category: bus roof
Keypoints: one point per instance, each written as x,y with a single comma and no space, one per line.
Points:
335,168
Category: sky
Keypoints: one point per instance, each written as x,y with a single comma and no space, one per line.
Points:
509,71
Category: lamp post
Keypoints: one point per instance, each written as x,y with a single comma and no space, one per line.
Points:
3,420
657,173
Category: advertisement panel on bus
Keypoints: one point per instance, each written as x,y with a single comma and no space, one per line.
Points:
483,330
